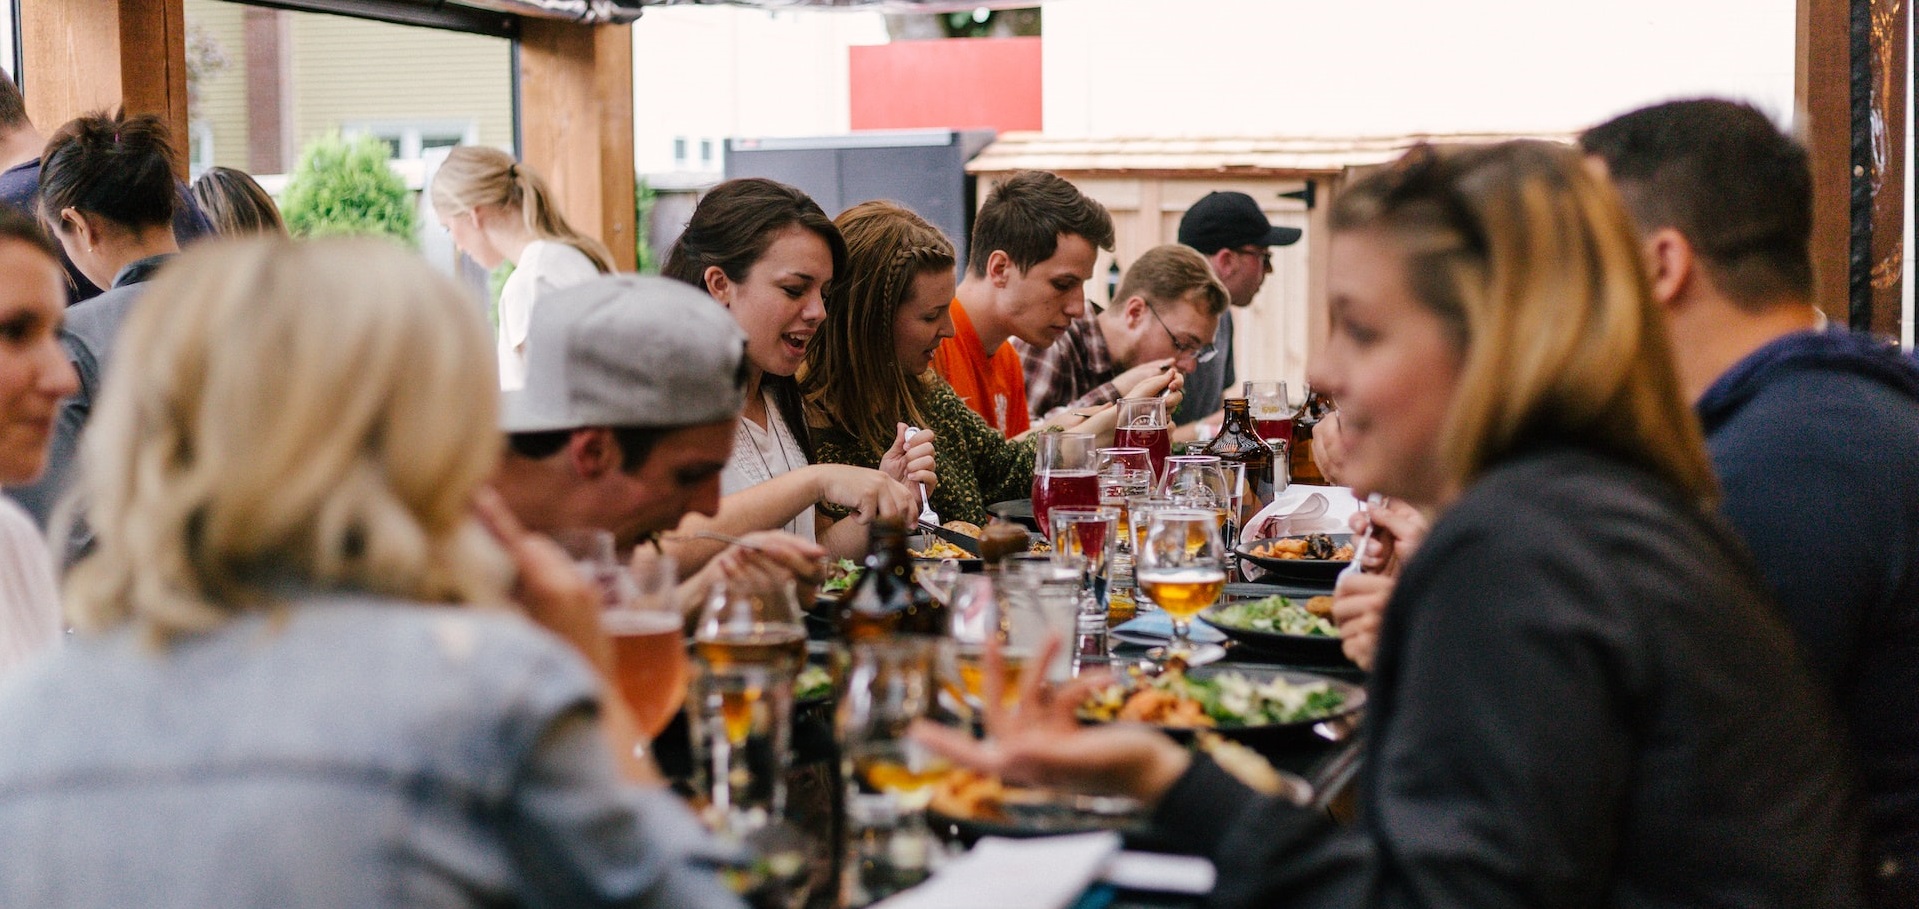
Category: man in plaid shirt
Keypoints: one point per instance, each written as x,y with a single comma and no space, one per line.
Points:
1158,328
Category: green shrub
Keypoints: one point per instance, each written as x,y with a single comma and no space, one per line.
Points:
342,187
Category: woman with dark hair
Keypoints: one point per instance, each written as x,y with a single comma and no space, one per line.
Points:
766,252
34,376
1582,694
236,204
107,194
871,371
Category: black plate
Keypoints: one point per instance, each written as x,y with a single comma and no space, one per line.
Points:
1305,648
1275,738
1312,571
920,541
1036,821
1017,510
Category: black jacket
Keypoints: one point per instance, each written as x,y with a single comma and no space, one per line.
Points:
1583,697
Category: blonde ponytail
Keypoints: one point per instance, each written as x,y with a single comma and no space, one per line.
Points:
474,175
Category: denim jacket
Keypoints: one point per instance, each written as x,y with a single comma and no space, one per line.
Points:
342,751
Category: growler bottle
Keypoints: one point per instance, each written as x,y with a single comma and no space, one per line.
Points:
887,600
1316,409
1238,441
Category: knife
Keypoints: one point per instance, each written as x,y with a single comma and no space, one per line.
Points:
970,544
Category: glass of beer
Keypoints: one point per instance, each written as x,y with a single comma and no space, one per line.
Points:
1181,567
748,645
649,642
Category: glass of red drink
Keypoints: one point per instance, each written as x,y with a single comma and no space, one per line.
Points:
1065,473
1273,409
1143,423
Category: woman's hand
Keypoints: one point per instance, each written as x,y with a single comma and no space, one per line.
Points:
553,592
1398,529
869,494
1034,739
1359,608
911,462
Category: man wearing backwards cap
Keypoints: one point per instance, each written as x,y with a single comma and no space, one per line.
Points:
1231,231
633,387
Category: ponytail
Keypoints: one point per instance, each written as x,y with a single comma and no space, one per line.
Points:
474,175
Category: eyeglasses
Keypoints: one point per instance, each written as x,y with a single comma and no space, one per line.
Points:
1265,254
1200,351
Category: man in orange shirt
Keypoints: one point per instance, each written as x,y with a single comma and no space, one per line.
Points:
1034,242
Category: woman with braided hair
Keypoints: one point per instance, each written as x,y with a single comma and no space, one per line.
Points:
498,210
869,374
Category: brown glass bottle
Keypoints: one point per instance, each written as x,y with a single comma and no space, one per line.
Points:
1305,470
887,600
1238,441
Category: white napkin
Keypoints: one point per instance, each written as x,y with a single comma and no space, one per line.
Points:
1046,873
1303,509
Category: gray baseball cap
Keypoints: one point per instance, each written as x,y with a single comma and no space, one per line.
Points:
628,351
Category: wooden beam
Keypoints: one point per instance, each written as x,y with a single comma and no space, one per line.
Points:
1824,96
576,117
82,56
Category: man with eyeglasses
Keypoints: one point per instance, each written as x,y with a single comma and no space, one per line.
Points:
1231,231
1159,327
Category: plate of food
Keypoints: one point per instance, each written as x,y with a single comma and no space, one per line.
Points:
1312,558
1295,627
1261,707
967,805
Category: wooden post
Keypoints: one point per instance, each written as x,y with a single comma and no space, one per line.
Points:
1852,71
82,56
1824,95
576,120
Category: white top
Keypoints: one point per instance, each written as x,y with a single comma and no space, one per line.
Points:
544,267
29,602
760,454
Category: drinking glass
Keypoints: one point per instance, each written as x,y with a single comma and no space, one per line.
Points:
1064,473
1195,480
749,646
649,644
1182,568
1041,598
1273,409
592,552
890,776
1085,537
1144,423
1123,473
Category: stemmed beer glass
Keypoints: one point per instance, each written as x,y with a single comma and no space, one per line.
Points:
1181,566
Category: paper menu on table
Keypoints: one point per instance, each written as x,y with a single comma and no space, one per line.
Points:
1045,873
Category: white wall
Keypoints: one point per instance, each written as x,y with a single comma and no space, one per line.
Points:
1387,67
714,73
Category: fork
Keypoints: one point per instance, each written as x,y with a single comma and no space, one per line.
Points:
1373,500
927,514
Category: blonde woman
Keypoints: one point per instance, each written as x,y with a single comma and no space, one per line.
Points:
499,210
299,678
1582,694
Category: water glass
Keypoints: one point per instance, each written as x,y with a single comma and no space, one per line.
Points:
891,682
